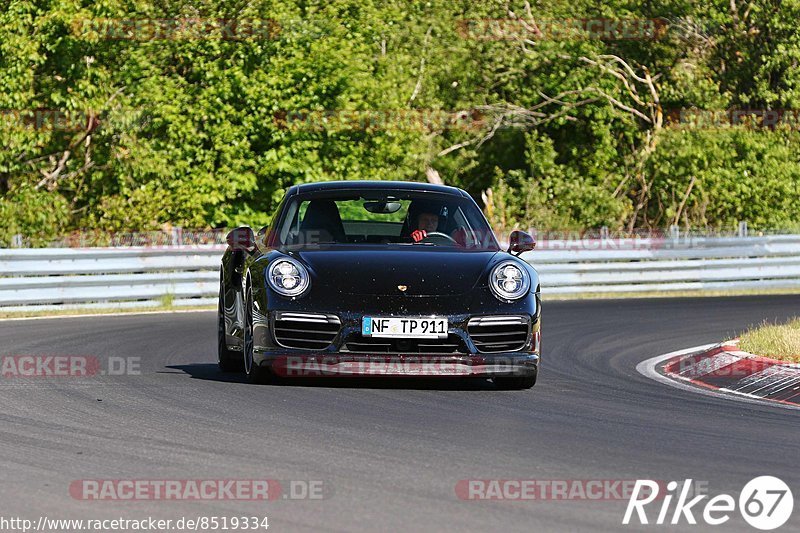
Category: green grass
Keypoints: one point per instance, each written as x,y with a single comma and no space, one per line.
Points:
166,300
778,341
104,311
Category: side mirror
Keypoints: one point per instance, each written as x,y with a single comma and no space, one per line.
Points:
241,239
519,242
265,238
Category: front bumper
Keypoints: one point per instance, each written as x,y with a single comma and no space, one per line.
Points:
395,365
340,358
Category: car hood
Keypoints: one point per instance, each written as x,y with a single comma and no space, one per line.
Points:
422,271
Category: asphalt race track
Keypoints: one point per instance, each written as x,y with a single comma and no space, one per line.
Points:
389,453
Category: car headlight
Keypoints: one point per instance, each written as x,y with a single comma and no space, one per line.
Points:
288,277
509,281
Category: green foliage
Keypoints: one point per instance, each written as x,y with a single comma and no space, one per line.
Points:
549,194
194,132
39,216
738,174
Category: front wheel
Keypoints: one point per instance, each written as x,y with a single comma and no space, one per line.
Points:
516,383
227,360
255,374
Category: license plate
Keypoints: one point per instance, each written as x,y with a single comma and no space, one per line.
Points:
409,328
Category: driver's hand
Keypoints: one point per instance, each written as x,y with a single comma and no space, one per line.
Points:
419,234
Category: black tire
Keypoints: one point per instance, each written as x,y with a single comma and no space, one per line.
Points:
255,374
227,360
516,383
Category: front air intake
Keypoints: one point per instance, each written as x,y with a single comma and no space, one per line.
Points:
305,331
493,334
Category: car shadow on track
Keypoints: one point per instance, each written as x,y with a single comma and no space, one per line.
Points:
211,372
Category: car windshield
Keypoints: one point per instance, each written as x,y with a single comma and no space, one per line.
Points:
384,218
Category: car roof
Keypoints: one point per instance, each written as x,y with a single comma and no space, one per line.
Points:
373,184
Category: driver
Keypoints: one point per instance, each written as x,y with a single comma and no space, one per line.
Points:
426,222
425,218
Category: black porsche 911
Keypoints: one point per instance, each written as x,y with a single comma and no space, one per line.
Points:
379,278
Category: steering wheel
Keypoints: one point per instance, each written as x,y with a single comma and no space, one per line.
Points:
438,235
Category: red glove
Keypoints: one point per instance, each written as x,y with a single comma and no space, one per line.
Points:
419,234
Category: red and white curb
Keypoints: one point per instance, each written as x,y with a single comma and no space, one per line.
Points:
722,370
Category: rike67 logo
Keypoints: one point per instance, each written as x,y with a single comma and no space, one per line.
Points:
765,503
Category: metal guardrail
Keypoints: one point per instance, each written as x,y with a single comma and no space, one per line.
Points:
644,265
56,278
